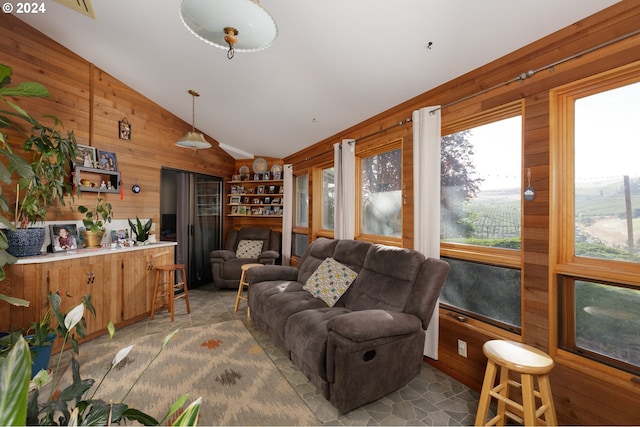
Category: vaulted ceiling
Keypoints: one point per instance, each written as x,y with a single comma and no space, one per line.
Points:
333,64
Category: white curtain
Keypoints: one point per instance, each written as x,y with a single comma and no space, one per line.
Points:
345,172
287,213
426,182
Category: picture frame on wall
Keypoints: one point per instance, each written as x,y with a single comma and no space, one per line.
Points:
107,160
124,129
64,237
86,156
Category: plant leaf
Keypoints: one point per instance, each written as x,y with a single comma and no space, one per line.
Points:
121,355
141,417
74,316
190,415
14,385
168,338
31,89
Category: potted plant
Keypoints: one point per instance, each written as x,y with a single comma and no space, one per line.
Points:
141,230
94,221
43,179
40,337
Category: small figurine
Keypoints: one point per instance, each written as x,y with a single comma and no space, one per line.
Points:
103,184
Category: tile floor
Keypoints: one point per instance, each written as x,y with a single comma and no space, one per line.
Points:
432,398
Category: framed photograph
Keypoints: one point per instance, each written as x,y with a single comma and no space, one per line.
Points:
64,237
234,210
236,177
119,235
266,176
257,176
107,160
271,189
124,129
260,189
86,156
234,200
267,200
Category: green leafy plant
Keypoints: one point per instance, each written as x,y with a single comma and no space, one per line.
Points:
44,182
73,405
95,219
141,230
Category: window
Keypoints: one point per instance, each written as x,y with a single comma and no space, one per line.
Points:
302,201
380,196
480,211
328,198
598,193
481,184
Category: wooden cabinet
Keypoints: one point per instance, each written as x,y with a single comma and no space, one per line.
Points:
138,281
255,198
95,276
120,283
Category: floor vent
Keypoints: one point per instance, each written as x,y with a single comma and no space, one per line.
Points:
83,6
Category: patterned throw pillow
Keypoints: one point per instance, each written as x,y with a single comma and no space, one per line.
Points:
330,280
249,248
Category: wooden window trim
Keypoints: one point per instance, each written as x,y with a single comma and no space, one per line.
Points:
562,259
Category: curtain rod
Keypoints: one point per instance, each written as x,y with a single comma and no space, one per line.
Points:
523,76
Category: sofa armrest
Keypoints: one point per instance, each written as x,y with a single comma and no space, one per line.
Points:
268,257
222,254
367,325
271,272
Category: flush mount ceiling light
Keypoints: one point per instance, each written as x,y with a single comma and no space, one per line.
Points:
233,25
194,140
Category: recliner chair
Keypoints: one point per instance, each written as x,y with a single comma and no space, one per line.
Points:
259,245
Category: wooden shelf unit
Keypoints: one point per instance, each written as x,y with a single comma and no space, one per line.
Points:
96,177
255,198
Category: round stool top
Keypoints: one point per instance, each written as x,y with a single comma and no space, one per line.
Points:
518,357
170,267
245,267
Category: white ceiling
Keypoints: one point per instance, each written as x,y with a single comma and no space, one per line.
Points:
334,63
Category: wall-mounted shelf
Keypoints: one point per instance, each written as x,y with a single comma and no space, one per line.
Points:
90,180
255,198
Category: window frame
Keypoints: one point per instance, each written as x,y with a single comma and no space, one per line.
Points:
499,256
565,267
316,185
508,258
363,151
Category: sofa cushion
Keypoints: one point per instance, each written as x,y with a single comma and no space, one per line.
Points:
272,303
330,280
249,248
313,257
306,336
386,279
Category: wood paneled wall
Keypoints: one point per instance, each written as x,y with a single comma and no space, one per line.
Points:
584,392
91,103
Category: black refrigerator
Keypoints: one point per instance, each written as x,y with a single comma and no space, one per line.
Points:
191,215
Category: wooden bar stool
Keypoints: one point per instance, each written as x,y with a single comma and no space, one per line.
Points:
168,289
242,284
529,362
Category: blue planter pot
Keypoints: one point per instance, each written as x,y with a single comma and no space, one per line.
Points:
41,355
25,241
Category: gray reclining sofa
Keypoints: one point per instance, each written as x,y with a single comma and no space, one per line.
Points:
357,347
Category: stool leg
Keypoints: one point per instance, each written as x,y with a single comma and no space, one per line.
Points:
155,295
528,400
185,290
547,400
485,397
170,293
240,288
504,392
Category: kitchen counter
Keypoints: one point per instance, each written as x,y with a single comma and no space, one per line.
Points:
87,252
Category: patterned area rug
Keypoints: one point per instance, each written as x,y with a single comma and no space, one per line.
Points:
221,362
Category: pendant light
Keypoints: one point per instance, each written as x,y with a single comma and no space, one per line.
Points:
194,140
233,25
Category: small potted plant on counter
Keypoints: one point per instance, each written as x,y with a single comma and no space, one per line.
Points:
94,221
141,230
